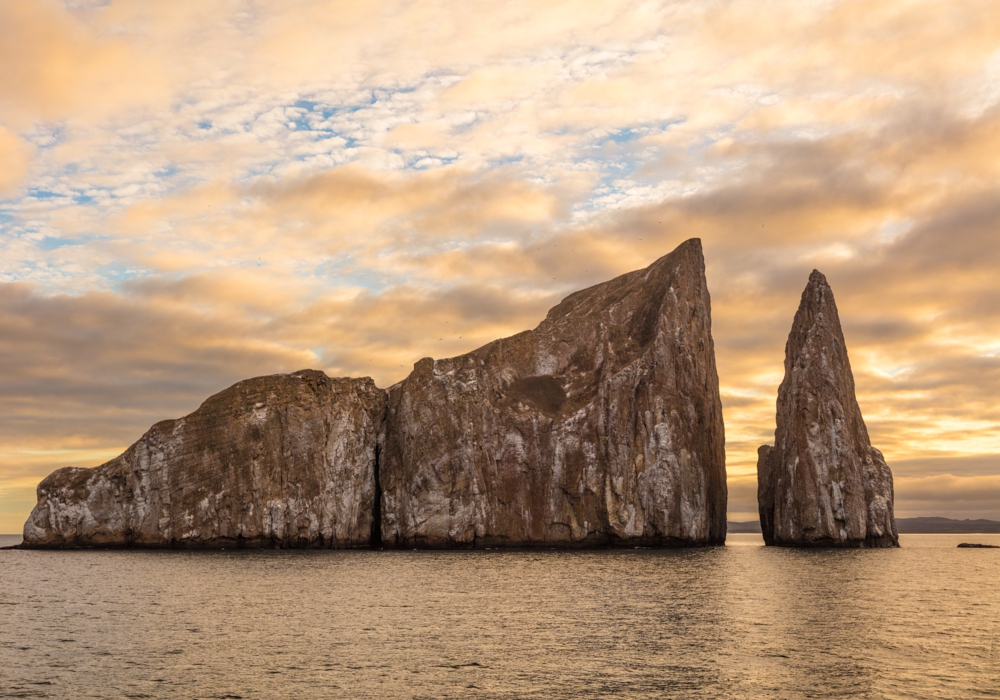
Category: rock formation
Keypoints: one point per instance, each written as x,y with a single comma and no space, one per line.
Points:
603,426
822,483
286,460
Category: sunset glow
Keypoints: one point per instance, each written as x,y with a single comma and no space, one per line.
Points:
196,193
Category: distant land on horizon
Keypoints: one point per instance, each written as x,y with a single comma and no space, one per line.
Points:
905,526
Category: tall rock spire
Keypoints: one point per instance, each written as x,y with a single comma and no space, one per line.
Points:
822,484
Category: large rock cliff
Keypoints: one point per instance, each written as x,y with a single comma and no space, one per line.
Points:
285,460
601,426
822,483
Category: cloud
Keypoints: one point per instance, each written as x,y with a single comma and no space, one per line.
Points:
57,64
444,202
16,157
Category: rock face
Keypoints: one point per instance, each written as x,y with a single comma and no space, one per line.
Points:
286,460
601,426
822,483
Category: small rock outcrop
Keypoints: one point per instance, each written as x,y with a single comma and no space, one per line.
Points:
602,426
822,483
976,545
285,460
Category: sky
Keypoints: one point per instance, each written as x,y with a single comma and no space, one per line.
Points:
195,193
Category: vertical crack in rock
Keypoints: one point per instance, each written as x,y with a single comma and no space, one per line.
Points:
602,426
375,541
822,483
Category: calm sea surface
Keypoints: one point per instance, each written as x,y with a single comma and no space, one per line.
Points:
740,621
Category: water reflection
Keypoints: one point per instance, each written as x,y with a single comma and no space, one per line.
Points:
740,621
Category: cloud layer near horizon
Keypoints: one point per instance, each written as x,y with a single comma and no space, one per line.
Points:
193,194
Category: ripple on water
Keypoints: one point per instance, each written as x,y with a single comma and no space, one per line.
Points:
741,621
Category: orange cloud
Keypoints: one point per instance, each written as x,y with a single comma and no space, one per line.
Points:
56,65
16,157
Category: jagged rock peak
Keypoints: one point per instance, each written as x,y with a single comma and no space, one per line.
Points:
822,483
602,426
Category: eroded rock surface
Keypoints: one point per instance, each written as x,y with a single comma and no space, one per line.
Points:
822,483
284,460
603,425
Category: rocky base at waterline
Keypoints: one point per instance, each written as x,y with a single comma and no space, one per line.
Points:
822,484
600,427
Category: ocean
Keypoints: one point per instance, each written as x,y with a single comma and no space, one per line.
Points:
740,621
